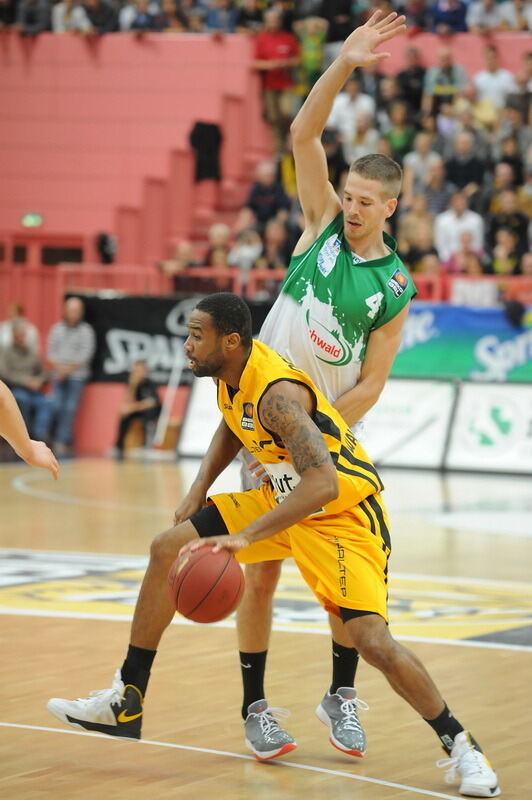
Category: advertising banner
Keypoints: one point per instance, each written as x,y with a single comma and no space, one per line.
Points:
408,426
441,341
150,328
492,429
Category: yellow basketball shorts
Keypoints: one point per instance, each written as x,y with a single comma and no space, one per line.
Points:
343,558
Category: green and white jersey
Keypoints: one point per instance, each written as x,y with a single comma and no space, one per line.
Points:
329,303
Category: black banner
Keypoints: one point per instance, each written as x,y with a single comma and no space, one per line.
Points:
151,328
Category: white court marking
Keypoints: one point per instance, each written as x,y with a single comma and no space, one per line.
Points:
290,764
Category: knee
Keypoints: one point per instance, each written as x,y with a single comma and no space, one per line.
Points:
377,648
261,579
165,547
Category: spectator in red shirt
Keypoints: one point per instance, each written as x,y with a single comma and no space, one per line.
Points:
276,52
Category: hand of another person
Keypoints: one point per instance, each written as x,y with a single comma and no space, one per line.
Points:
231,543
193,502
40,455
258,471
359,46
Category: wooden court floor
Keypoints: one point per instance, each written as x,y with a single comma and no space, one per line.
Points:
72,554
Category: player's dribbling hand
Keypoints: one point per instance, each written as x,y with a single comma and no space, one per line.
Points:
40,455
360,45
231,543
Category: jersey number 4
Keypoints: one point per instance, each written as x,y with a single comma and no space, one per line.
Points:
374,303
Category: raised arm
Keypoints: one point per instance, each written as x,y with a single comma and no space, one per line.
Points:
318,199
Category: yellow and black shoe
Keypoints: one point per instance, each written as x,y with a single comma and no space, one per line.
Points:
116,711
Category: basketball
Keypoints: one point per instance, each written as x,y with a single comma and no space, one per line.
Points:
206,586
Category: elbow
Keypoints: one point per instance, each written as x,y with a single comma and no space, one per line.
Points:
329,488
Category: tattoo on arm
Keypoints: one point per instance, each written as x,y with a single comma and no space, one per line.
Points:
287,418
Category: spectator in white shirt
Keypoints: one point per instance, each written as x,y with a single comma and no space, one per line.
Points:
69,15
348,104
364,139
517,14
484,16
449,226
494,83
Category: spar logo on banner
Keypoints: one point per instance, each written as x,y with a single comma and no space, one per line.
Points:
159,350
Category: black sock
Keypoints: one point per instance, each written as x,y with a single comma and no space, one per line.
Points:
344,666
446,727
136,667
253,666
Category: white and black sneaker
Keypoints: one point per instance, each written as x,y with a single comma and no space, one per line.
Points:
468,763
116,711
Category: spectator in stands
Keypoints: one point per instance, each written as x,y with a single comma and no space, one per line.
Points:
466,259
371,79
221,16
68,15
442,82
415,167
418,17
16,313
484,16
410,80
510,155
245,252
276,53
420,254
512,123
464,169
341,21
171,18
266,199
248,17
470,118
416,217
525,267
450,224
32,17
437,189
142,404
400,134
516,15
505,255
71,346
22,369
365,139
7,13
347,105
449,16
503,180
524,193
494,83
275,256
144,21
311,33
219,244
176,267
102,16
389,94
511,218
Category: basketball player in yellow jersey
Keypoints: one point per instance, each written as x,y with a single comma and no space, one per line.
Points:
323,508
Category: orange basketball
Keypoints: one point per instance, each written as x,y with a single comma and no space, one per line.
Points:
206,586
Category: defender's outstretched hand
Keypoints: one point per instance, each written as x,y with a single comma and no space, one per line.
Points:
360,45
38,454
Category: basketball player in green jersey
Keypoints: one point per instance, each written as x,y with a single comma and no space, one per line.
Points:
339,317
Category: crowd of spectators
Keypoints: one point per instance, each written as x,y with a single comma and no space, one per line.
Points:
465,145
48,383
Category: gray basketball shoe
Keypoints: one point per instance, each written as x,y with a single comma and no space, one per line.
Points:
264,736
340,712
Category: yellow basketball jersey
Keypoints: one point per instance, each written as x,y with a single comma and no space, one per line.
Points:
357,477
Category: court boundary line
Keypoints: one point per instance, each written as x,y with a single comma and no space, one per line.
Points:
28,612
242,756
